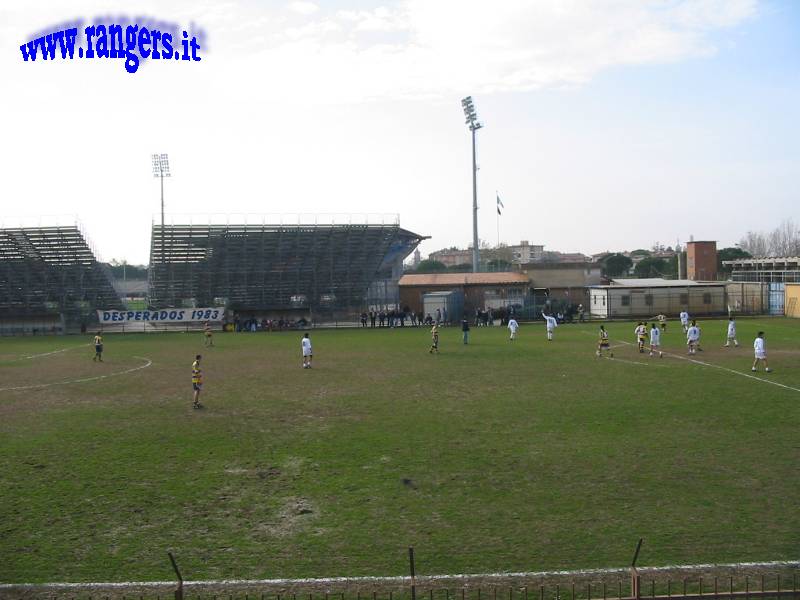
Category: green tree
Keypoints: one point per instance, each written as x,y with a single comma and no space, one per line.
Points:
120,269
615,265
671,267
498,264
650,267
640,252
431,266
729,254
462,268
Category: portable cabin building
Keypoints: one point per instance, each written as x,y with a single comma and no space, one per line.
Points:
625,298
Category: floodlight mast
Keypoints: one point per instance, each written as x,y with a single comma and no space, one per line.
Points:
161,170
474,125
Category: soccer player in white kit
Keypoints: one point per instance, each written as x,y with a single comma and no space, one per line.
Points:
512,327
551,325
731,333
693,338
760,349
685,321
307,355
655,341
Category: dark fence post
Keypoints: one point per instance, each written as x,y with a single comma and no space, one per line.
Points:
179,589
635,579
413,573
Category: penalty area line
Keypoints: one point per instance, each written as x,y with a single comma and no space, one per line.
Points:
625,360
147,362
726,369
630,362
46,353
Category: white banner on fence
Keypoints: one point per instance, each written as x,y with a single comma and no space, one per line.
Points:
166,315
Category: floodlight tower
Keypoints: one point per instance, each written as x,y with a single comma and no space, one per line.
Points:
161,170
474,125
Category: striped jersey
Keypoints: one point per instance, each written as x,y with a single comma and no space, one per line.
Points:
197,373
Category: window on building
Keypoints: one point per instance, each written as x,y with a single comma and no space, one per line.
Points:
648,299
707,298
594,300
684,299
625,300
604,300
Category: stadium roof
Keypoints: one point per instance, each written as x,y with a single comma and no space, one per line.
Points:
655,282
464,279
762,261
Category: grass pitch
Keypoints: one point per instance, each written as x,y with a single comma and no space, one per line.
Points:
493,456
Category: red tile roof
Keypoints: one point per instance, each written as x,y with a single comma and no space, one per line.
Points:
455,279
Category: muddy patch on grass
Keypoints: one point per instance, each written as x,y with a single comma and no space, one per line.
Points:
294,515
291,467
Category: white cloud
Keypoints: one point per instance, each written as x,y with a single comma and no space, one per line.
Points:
315,29
378,19
303,8
420,48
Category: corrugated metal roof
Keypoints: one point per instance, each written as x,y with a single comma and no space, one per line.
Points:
761,261
657,282
463,279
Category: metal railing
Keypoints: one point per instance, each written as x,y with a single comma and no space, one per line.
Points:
678,582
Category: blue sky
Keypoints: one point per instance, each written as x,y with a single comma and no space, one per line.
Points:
610,124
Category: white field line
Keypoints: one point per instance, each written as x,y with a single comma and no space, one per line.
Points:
46,353
735,372
404,579
630,362
148,362
624,360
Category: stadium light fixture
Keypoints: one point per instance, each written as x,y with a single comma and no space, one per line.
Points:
161,170
474,124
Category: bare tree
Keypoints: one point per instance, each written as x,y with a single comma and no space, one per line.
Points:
755,243
784,240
